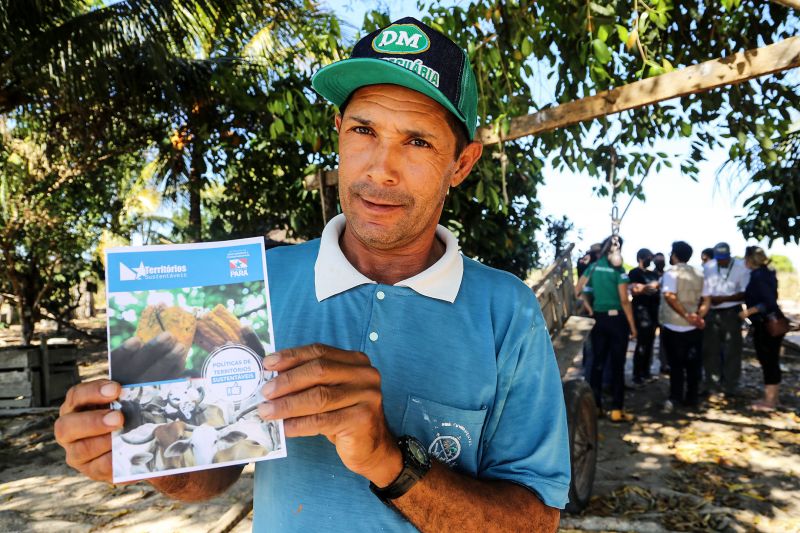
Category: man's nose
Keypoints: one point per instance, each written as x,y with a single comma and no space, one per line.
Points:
384,166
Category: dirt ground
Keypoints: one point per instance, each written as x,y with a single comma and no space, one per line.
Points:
721,468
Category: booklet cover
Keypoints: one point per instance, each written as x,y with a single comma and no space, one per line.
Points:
188,327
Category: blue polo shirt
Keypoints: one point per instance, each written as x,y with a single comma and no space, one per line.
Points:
474,379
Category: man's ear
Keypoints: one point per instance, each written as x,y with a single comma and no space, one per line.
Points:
464,163
337,121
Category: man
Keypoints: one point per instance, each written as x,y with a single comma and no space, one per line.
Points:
588,258
420,387
682,313
644,288
706,255
725,282
613,317
659,262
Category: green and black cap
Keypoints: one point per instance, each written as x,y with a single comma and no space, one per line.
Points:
413,55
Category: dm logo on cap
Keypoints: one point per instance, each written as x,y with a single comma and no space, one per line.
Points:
401,39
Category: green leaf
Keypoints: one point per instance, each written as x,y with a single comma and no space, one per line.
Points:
642,26
622,31
601,51
604,31
527,47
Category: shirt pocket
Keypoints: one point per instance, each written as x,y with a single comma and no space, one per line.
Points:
450,434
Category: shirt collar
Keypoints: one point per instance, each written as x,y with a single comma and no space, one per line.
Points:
333,273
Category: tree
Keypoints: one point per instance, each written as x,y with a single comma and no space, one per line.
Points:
52,212
769,174
85,88
557,233
574,49
781,263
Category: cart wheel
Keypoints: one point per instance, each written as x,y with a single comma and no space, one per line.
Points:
582,424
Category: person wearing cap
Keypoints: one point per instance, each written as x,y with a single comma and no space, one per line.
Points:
682,311
725,281
418,387
614,322
644,286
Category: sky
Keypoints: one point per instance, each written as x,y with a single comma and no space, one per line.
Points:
701,213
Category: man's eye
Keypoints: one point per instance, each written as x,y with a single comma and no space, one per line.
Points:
420,143
362,130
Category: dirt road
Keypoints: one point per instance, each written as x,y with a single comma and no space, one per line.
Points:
722,468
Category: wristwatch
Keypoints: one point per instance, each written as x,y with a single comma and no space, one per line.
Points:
416,464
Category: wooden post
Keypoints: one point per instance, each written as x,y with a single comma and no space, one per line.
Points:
45,370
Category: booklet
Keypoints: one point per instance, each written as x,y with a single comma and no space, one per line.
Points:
188,327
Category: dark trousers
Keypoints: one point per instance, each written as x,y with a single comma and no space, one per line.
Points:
685,353
609,342
646,324
768,351
722,347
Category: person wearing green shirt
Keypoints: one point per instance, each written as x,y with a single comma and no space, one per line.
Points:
613,315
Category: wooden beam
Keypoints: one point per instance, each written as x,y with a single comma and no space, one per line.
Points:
730,70
792,4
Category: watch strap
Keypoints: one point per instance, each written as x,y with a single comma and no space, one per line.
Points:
413,470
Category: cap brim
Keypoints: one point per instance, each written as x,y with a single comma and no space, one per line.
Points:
337,81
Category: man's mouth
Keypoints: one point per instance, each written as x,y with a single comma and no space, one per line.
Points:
379,205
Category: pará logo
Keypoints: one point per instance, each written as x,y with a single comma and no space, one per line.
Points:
401,39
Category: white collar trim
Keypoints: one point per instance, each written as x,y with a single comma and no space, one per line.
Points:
333,273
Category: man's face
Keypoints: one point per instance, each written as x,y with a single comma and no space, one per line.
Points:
396,163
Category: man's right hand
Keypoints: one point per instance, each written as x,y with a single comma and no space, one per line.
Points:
84,427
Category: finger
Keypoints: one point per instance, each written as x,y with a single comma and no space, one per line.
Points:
82,452
89,394
159,345
99,469
321,399
167,366
127,348
73,427
292,357
331,423
319,372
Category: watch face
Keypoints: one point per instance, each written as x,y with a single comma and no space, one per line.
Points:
418,452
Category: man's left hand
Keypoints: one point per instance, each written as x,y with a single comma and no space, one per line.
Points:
321,390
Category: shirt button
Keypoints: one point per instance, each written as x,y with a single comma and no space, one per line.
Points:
380,295
373,336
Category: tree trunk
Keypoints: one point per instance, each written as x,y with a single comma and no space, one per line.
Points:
196,171
26,318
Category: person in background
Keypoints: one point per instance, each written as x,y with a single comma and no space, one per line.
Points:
682,311
613,316
725,280
706,255
663,360
761,300
588,258
659,262
644,288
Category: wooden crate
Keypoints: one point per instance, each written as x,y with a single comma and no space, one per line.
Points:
37,376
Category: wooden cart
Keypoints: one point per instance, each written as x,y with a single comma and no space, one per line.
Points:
556,295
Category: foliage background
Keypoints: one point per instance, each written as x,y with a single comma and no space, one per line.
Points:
172,121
